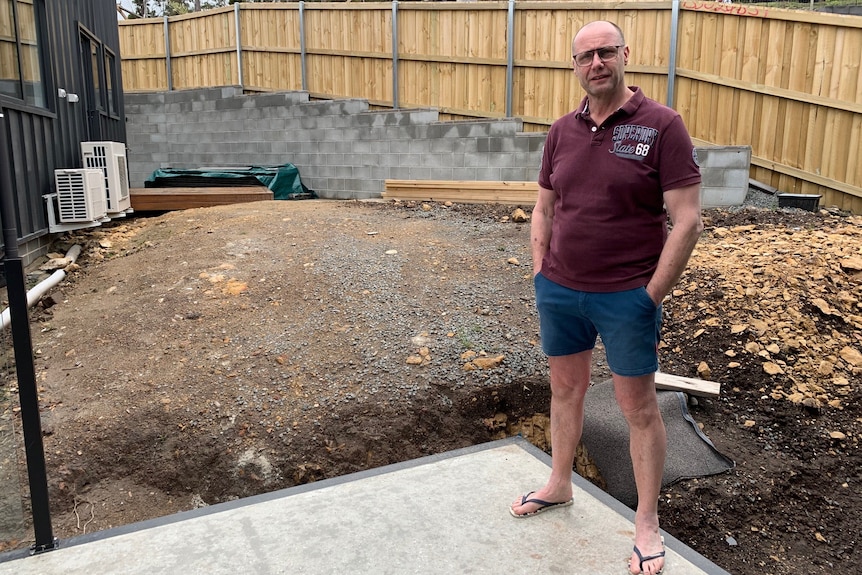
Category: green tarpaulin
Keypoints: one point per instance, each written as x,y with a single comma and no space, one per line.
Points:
283,181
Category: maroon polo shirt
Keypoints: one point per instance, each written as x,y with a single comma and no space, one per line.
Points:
609,223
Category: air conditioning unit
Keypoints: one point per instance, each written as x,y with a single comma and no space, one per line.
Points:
110,158
79,200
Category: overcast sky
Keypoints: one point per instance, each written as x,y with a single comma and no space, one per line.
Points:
127,4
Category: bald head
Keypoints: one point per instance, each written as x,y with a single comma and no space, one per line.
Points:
596,33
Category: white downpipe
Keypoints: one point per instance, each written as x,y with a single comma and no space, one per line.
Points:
42,287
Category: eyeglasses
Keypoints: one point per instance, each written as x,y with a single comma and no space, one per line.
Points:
606,54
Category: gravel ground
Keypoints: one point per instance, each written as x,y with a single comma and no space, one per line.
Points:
756,198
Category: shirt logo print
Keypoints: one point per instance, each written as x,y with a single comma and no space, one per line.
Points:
633,142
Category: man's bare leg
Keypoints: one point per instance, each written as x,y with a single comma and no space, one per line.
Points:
570,378
637,399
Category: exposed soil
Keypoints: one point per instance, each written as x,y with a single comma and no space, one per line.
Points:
195,357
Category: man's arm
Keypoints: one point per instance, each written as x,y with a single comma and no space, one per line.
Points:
683,206
540,227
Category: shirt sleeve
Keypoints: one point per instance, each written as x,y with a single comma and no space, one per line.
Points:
546,167
678,165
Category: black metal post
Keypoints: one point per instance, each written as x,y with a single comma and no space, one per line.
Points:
30,419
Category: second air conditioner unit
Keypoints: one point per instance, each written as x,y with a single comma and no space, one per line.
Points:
78,200
110,158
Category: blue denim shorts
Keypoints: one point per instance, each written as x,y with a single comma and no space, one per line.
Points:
628,321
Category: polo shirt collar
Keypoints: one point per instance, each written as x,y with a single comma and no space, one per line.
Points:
628,108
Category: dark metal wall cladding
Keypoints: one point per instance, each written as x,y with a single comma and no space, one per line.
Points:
42,140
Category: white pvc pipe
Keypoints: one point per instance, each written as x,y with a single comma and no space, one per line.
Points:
40,289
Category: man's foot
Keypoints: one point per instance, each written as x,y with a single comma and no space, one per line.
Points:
648,564
530,504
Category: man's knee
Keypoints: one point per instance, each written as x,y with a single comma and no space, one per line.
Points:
637,400
641,416
570,375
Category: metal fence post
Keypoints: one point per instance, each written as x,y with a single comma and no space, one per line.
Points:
168,57
31,422
671,72
510,57
302,54
238,44
395,54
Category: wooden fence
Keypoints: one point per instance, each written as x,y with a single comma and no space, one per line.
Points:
786,82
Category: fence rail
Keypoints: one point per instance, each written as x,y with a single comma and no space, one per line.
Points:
786,82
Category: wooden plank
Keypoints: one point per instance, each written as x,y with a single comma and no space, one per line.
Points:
689,385
461,191
167,199
458,184
465,198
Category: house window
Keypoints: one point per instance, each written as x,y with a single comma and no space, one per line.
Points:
110,83
20,62
97,84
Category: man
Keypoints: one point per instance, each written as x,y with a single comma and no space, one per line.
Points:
612,171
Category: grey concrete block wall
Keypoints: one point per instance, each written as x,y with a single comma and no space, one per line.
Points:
343,150
31,250
724,171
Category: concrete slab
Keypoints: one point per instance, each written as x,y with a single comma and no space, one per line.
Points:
441,514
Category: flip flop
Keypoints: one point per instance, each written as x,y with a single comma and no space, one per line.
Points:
643,559
543,505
